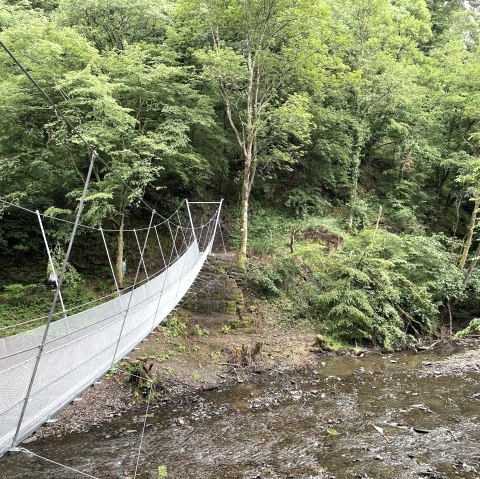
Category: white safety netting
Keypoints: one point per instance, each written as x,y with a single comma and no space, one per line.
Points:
82,347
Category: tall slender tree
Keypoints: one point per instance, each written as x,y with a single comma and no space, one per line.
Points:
257,50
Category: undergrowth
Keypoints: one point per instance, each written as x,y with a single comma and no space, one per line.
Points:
20,303
373,287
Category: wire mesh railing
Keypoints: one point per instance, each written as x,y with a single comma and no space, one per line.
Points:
42,370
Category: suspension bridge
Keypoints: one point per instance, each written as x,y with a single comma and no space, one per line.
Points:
46,367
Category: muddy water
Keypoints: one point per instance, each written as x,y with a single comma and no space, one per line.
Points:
315,425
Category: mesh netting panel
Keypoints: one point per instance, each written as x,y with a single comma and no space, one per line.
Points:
82,347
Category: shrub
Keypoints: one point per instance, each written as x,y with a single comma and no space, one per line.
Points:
264,279
376,287
303,202
19,293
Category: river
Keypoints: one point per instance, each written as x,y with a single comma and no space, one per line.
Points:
396,416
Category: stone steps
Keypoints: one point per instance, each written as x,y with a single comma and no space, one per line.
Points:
217,288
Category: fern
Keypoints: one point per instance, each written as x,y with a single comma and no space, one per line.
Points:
473,327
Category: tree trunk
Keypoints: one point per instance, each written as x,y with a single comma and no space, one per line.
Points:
293,233
471,230
120,247
450,317
472,266
353,200
249,152
242,255
458,204
355,176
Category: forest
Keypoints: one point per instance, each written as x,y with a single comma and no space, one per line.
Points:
343,135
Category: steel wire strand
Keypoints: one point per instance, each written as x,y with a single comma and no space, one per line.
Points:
92,228
27,451
143,430
111,295
57,291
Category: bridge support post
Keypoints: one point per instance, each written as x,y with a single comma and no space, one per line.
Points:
216,224
50,260
191,219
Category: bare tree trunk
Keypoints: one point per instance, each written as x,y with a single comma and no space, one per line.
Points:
450,317
355,175
120,247
242,255
458,204
353,192
249,155
379,218
471,230
248,176
293,233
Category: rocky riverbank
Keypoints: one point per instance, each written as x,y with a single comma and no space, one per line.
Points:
217,338
402,415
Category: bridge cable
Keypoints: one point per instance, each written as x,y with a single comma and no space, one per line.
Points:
27,451
143,429
106,230
50,260
160,245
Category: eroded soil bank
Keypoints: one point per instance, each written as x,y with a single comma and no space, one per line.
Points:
391,416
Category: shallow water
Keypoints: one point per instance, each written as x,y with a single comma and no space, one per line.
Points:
277,427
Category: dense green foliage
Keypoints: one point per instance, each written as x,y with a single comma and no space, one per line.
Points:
351,126
473,327
373,286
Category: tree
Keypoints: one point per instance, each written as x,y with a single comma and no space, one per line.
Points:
114,24
136,106
257,51
381,48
